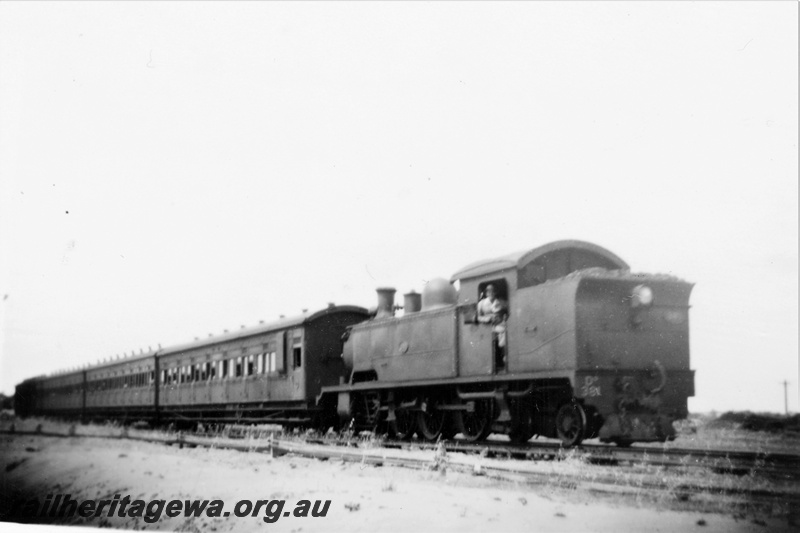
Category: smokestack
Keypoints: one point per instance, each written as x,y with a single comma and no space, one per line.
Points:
385,302
412,302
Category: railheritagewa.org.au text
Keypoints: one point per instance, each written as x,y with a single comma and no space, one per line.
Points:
64,506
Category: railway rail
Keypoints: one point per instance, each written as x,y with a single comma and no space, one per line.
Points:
491,459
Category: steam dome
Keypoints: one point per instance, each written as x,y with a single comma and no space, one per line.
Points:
438,293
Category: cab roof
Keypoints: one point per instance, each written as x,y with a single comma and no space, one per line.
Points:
519,259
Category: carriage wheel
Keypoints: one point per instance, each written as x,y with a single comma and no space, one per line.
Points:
404,424
431,422
571,424
477,425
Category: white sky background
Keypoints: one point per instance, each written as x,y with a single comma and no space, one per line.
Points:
173,170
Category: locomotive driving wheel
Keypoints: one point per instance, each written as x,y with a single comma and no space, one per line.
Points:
571,424
476,425
431,421
404,424
522,428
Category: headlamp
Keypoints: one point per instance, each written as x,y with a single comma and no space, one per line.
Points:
642,296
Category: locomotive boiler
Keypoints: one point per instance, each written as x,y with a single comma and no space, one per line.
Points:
590,350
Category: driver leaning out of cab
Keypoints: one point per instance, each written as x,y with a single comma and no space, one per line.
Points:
493,310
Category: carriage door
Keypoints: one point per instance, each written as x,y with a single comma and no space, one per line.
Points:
295,352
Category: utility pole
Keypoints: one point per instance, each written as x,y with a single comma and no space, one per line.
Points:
785,397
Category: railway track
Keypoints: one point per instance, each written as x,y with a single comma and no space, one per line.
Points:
758,478
775,465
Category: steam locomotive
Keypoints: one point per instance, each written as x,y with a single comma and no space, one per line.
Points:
589,349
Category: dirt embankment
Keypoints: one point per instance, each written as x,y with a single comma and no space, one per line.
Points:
362,498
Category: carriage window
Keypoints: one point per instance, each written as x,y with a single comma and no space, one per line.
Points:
238,367
297,352
250,365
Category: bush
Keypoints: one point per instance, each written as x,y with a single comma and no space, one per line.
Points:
771,423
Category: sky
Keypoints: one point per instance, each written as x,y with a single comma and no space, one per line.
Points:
170,170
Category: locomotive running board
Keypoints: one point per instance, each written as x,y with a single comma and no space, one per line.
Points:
380,385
